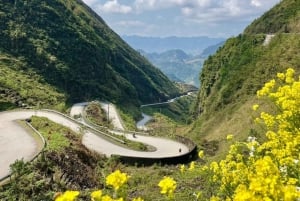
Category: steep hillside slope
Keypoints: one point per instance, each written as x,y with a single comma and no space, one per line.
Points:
283,18
63,47
231,77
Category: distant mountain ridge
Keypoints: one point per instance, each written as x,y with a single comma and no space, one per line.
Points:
190,45
180,66
67,50
210,50
177,65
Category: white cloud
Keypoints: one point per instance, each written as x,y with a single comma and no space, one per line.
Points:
175,17
113,6
142,5
131,23
256,3
198,8
229,10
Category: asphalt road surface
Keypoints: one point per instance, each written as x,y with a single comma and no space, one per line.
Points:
16,142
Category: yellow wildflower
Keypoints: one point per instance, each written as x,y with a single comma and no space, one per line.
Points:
271,172
291,193
168,186
107,198
255,107
281,76
96,195
268,119
229,137
289,75
182,168
201,154
242,193
214,166
192,165
138,199
204,168
68,196
116,179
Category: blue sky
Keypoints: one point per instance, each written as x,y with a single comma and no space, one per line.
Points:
214,18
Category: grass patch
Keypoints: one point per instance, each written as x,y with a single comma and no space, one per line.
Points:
20,86
56,136
95,114
179,111
127,120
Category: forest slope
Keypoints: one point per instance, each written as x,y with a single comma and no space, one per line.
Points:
67,51
231,77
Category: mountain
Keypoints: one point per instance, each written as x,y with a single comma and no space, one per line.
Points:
283,18
210,50
60,51
177,65
190,45
231,77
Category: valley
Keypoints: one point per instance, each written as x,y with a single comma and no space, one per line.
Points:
179,64
124,120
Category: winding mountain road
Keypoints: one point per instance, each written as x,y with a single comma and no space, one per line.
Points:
141,125
17,142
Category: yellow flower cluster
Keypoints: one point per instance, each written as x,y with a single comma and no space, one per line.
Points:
255,107
270,170
116,179
201,154
229,137
138,199
96,195
67,196
167,186
267,88
108,198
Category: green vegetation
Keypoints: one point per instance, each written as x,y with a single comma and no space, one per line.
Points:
70,55
177,65
20,87
231,77
128,121
56,136
179,111
96,115
6,106
283,18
